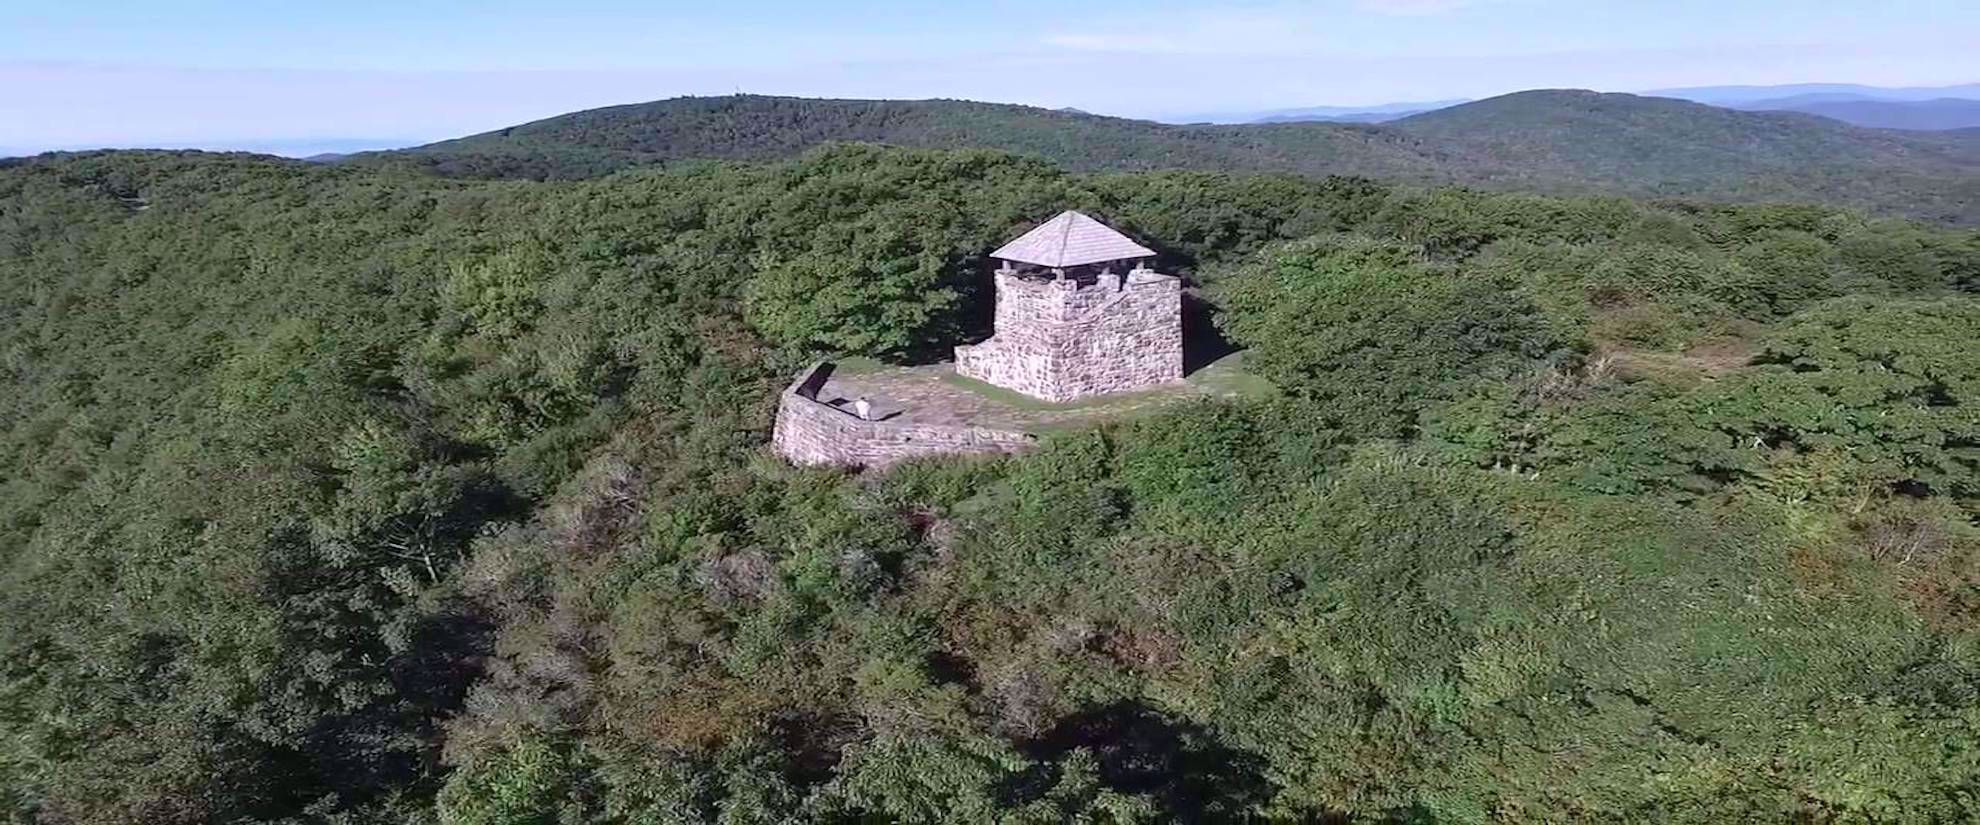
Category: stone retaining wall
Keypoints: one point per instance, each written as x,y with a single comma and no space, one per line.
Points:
810,431
1061,340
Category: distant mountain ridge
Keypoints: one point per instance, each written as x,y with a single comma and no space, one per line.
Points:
1352,114
1744,96
1547,141
1919,108
1921,115
753,127
1373,113
301,147
1786,97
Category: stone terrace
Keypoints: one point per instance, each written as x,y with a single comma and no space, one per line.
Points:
935,395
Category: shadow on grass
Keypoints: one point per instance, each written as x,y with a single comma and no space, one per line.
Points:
1203,343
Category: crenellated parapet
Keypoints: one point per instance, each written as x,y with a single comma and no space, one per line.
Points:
813,430
1060,339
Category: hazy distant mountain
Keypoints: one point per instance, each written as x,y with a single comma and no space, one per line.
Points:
1915,108
1349,117
1744,96
1353,114
1927,115
1791,101
1374,113
306,148
1787,97
1553,141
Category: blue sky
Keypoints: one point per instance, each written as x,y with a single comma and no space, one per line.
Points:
286,76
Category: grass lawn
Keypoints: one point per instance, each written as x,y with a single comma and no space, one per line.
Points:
858,365
1222,379
1020,401
1227,378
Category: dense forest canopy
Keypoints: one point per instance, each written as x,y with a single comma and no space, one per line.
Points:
356,494
1560,141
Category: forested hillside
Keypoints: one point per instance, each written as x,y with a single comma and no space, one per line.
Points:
353,494
1557,141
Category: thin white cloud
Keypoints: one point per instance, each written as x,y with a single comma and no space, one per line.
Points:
1412,8
1209,32
1270,29
1111,42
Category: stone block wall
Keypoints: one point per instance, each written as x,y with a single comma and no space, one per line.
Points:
1061,340
809,431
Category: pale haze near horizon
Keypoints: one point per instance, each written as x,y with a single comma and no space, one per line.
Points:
365,74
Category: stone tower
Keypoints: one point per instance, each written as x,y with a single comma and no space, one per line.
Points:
1079,313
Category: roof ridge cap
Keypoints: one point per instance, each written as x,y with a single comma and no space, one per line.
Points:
1065,234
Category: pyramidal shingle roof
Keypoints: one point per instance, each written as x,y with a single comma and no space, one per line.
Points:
1071,239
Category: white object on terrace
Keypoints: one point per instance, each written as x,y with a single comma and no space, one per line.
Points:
1071,239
